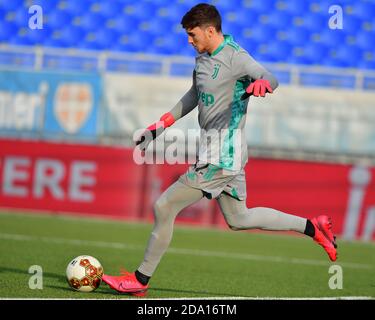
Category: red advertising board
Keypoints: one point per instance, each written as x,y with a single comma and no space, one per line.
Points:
69,178
100,180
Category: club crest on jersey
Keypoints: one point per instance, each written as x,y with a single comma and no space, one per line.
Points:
216,70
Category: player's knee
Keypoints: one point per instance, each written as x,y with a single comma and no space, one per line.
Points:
233,227
161,208
232,224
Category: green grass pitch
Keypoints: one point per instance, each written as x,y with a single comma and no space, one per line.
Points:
200,263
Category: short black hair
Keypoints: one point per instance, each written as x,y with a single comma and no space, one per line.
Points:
203,14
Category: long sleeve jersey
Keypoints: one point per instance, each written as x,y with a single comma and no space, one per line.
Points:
219,81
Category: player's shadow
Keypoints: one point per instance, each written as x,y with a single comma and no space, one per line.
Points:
61,279
106,290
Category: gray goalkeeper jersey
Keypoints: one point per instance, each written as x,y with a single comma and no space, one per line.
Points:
219,80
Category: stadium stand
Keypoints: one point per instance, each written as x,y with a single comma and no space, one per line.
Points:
272,30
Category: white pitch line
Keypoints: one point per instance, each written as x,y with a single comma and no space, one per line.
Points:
210,298
192,252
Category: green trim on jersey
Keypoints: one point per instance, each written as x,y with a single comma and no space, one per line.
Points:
238,110
228,40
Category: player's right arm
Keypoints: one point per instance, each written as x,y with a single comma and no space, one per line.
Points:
262,81
186,104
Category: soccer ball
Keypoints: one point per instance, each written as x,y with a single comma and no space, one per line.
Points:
84,273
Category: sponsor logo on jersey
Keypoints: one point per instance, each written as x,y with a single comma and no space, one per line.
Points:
207,99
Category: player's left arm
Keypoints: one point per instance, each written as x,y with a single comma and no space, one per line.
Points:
262,81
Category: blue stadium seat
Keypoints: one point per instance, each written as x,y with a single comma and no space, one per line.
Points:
293,31
333,38
365,40
298,36
106,39
47,5
351,24
11,5
244,17
142,10
315,22
92,21
315,53
71,36
368,65
260,33
279,50
7,31
172,11
38,36
77,7
296,7
261,6
364,10
139,41
349,56
58,19
156,25
21,17
280,19
110,9
123,23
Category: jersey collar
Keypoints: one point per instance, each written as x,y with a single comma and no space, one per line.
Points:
227,38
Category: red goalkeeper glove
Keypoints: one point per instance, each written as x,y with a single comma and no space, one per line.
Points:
258,88
154,130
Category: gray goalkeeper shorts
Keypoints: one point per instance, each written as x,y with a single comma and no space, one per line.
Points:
213,180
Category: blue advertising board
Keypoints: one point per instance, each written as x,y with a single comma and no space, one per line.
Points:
52,104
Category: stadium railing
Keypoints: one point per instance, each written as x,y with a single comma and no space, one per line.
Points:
37,59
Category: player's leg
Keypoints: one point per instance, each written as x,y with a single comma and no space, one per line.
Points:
171,202
239,217
177,197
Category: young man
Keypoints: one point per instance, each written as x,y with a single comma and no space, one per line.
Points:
223,78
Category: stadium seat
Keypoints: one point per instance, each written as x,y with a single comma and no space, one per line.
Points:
109,9
142,9
349,56
295,7
260,6
332,38
21,17
92,21
7,31
75,7
297,36
315,21
58,18
279,50
365,40
315,53
122,23
364,9
71,36
279,20
11,5
259,33
292,31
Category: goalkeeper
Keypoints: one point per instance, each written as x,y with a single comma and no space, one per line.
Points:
225,75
